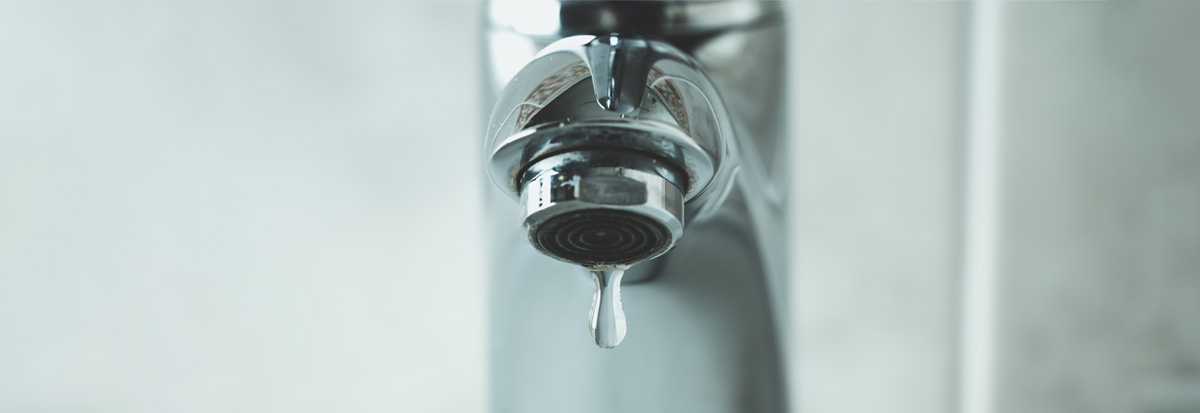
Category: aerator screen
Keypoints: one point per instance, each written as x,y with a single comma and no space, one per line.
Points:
600,238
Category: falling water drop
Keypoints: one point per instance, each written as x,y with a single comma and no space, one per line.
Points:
606,322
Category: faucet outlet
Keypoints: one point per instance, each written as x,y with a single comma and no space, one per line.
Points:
602,210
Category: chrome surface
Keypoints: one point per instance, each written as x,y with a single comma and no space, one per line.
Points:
637,141
563,18
645,95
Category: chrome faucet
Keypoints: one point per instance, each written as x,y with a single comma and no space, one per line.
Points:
641,143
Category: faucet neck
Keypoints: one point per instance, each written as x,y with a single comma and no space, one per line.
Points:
564,18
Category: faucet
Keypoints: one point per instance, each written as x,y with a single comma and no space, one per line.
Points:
637,145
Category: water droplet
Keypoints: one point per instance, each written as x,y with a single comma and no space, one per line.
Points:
606,322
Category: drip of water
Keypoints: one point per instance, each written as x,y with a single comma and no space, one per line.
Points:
606,322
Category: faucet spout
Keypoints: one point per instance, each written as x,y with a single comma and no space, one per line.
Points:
605,186
635,183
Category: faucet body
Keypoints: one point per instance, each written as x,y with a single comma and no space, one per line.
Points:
583,90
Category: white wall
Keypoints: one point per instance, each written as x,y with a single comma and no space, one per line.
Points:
1098,286
240,207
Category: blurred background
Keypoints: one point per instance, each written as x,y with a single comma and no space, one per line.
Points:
266,206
